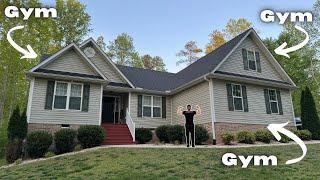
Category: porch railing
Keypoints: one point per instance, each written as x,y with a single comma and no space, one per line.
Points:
131,125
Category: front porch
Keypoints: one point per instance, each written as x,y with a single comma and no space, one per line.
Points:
115,118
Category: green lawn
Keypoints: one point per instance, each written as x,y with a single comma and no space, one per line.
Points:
137,163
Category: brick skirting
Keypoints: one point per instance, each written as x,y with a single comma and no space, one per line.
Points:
51,128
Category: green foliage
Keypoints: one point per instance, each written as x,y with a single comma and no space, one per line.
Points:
23,125
284,138
227,138
201,134
143,135
309,116
13,150
162,133
14,124
176,133
78,147
49,154
90,136
305,135
153,63
246,137
64,140
263,136
38,143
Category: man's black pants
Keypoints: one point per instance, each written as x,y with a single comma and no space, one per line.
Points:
190,130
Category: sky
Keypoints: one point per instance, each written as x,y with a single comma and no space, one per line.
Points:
162,27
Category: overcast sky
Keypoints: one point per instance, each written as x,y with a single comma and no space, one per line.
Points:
163,27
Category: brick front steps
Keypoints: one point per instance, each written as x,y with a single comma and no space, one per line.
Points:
117,134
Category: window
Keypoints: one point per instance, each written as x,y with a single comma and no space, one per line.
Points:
237,97
273,101
67,96
252,61
151,106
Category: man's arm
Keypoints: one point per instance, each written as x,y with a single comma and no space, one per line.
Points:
198,110
180,111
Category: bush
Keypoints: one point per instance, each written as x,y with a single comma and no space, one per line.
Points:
227,138
246,137
38,143
263,136
284,139
64,140
201,134
78,147
13,150
143,135
90,136
303,134
176,133
49,154
162,133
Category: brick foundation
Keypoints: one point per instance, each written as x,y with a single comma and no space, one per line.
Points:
234,128
51,128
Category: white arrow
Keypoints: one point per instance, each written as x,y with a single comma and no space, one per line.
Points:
276,128
284,52
29,54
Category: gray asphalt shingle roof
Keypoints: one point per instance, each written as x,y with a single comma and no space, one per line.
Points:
162,81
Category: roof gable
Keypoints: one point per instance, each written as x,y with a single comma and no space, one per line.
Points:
71,50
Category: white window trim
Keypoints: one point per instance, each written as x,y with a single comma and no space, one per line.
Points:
68,96
232,85
276,101
255,60
151,106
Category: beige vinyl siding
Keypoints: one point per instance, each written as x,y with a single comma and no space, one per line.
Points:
148,122
71,62
41,115
234,62
105,67
196,95
256,103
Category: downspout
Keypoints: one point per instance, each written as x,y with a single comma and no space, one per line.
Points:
211,107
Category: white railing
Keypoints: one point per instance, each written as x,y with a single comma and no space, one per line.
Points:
131,125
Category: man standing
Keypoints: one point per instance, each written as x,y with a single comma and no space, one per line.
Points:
189,125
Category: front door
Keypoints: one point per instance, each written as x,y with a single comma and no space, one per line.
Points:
108,109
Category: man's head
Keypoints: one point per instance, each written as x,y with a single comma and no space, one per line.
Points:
188,107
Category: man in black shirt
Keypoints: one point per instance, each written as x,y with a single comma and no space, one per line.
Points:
189,125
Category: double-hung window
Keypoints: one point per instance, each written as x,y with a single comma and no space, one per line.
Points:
237,97
273,101
68,96
252,61
151,106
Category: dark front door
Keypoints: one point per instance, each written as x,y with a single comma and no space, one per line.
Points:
108,110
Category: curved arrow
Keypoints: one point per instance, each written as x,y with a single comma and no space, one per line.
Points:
276,128
30,54
284,52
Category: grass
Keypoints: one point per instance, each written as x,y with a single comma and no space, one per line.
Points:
138,163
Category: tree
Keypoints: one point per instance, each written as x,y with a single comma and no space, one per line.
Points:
309,116
121,50
101,43
23,128
216,40
189,54
237,26
153,63
13,125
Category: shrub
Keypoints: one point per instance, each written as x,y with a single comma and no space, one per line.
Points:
64,140
201,134
303,134
13,124
227,138
162,133
13,150
176,133
246,137
284,138
38,143
49,154
78,147
263,136
143,135
90,136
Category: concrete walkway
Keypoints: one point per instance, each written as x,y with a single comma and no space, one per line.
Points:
258,144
